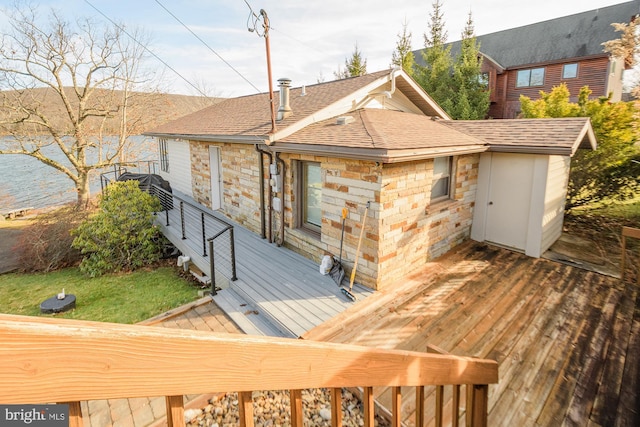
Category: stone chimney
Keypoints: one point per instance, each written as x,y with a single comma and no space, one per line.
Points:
284,110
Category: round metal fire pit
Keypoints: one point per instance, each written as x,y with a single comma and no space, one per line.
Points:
55,305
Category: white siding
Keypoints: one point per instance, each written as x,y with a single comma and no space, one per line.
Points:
179,158
556,194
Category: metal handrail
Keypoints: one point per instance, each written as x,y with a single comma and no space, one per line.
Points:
207,242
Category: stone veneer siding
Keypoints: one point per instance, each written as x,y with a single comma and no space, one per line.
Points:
403,230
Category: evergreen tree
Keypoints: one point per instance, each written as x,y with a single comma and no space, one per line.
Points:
354,66
403,56
471,94
435,76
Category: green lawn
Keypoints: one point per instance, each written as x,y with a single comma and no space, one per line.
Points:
119,298
627,210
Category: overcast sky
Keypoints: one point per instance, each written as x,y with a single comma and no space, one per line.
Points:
309,39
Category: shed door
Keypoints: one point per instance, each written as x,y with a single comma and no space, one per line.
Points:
216,177
509,203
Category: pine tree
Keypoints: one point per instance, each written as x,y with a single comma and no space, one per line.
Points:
471,95
354,66
435,76
403,56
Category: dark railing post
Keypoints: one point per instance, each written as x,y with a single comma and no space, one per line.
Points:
204,237
166,212
213,268
233,255
184,236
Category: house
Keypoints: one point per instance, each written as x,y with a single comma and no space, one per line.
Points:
380,141
528,59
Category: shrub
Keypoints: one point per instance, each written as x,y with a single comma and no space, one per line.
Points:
121,236
45,245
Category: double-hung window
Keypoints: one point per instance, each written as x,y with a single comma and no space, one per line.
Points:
310,196
164,155
442,178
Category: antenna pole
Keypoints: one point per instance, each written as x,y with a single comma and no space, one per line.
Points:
266,41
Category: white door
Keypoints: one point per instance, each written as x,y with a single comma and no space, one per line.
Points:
509,201
216,178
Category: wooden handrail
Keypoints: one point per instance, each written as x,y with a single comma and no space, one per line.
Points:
57,360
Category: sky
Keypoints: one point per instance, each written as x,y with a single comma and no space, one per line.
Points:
309,39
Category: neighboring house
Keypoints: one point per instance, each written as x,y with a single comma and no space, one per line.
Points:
377,138
528,59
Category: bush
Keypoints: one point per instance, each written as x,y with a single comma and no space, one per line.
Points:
121,236
45,245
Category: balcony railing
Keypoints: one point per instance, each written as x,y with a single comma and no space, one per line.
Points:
44,360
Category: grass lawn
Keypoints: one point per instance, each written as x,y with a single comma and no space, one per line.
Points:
119,298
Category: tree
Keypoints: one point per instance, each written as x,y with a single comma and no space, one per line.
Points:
354,66
435,76
86,70
121,236
403,56
609,172
470,89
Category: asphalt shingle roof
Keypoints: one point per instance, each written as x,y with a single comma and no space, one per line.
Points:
573,36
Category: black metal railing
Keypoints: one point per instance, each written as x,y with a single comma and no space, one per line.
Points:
213,235
117,169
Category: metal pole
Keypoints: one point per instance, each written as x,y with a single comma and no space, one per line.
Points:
233,256
182,219
213,268
204,238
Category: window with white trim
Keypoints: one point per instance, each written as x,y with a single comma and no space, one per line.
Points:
163,152
442,182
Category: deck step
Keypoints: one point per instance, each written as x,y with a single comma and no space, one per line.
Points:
251,320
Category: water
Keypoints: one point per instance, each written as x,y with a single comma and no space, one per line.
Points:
27,182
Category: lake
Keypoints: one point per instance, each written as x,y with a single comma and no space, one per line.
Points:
27,182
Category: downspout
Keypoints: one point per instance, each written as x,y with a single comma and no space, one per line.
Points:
261,175
269,196
279,160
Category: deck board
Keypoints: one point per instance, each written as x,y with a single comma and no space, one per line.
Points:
566,339
285,288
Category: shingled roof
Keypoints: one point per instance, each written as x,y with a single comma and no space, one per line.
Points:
574,36
532,136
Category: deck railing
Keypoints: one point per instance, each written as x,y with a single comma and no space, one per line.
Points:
211,229
44,360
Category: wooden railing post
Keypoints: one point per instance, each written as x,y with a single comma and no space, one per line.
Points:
175,411
245,407
419,406
455,406
633,233
477,405
336,407
75,414
369,408
296,408
396,406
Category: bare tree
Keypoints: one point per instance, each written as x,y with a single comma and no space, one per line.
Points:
70,89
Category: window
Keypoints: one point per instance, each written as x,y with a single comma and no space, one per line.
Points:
532,77
164,157
483,79
442,173
569,71
311,196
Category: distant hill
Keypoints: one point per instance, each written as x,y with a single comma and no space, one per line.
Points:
147,110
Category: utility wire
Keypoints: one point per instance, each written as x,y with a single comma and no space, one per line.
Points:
209,47
148,50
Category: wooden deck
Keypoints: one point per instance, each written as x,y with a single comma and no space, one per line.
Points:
567,340
278,292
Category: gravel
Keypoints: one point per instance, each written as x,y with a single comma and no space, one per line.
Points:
271,409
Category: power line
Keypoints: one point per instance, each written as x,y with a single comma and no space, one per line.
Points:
209,47
148,50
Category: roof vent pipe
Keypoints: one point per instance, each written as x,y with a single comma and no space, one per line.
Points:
284,110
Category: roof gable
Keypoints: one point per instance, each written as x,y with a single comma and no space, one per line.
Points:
249,117
573,36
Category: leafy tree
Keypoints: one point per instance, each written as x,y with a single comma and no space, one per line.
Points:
403,55
471,93
121,236
88,71
354,66
609,172
435,76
